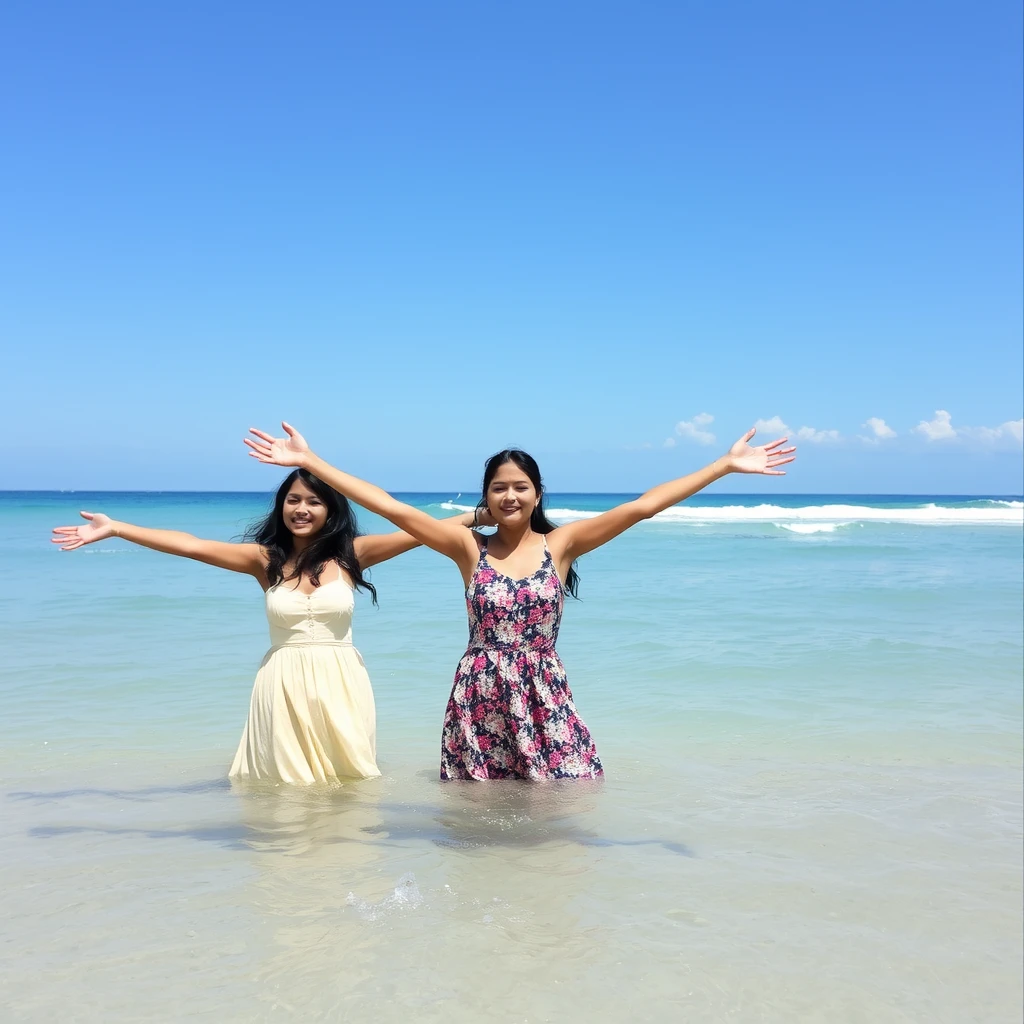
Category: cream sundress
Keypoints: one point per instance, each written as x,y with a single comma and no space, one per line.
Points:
312,716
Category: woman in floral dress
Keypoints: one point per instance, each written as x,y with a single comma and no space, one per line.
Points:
511,714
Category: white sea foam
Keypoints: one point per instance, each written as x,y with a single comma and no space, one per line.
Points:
1010,514
929,513
818,518
811,527
570,513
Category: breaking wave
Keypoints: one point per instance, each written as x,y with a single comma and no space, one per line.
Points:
818,518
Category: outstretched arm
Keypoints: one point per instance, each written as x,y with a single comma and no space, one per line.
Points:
574,539
374,548
247,558
447,536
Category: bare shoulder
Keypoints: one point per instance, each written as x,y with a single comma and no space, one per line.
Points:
473,543
470,555
260,563
558,540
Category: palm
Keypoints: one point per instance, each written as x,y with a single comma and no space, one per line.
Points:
289,450
746,458
97,527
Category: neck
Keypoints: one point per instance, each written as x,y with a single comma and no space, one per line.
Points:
299,544
512,537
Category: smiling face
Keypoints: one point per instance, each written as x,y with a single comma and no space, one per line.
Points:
303,512
511,496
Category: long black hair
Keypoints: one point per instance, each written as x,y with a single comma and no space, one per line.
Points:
334,543
539,521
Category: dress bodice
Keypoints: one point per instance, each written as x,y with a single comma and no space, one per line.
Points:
323,617
514,614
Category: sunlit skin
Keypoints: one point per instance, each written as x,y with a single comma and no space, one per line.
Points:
304,514
324,725
516,550
520,697
511,498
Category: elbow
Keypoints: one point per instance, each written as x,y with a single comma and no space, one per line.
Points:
643,510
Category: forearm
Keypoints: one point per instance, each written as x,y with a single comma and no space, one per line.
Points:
664,496
370,496
171,542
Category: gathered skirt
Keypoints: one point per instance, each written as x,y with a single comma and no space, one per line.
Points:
511,716
311,718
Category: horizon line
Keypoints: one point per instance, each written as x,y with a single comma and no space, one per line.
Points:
731,494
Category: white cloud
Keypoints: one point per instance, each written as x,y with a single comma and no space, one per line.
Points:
816,436
879,428
772,426
1011,429
938,429
670,442
693,430
941,429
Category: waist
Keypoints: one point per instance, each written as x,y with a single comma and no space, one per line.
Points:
306,642
536,647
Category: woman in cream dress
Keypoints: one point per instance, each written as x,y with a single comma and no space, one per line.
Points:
311,717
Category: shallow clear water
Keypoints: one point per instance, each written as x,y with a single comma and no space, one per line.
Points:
812,807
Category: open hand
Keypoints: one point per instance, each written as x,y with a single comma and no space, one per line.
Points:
98,527
291,450
745,458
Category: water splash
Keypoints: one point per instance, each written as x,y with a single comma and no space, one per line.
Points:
405,896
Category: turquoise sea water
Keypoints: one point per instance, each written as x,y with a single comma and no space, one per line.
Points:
809,709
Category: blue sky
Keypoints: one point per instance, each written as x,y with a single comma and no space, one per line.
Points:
422,232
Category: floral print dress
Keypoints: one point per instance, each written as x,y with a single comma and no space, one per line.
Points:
511,714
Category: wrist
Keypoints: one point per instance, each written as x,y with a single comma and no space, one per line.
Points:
723,465
307,460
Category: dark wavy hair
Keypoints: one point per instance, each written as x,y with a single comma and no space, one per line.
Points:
539,521
334,543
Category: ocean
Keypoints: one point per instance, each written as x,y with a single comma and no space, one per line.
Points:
809,709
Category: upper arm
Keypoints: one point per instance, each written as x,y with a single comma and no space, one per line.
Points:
375,548
447,536
575,539
247,558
